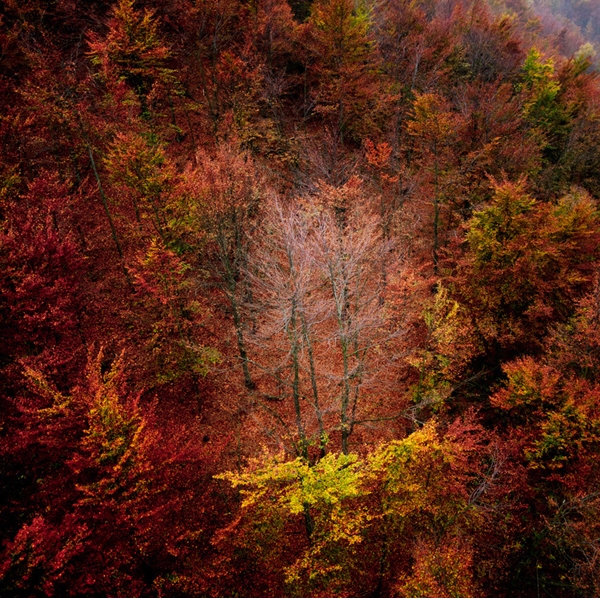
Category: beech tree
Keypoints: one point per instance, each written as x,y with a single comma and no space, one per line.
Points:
546,252
343,68
218,207
132,50
370,517
103,511
334,269
317,288
172,318
542,108
138,168
285,287
347,255
433,128
40,289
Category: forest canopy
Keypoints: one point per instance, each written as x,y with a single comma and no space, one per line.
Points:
300,298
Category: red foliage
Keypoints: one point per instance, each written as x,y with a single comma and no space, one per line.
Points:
299,228
42,268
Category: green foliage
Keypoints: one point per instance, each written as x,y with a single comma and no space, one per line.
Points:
565,433
60,403
401,489
323,493
528,262
560,414
348,93
413,472
10,182
491,229
139,170
549,118
344,22
449,346
537,75
138,162
331,480
171,345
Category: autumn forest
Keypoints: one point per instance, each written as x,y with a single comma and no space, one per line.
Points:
300,298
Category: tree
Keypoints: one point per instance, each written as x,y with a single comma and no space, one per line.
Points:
285,286
276,491
493,50
217,209
103,514
317,287
346,91
138,168
433,128
527,263
371,519
42,266
443,358
347,253
171,318
578,160
133,51
549,119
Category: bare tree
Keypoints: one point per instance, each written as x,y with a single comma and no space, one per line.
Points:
347,254
285,284
322,342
